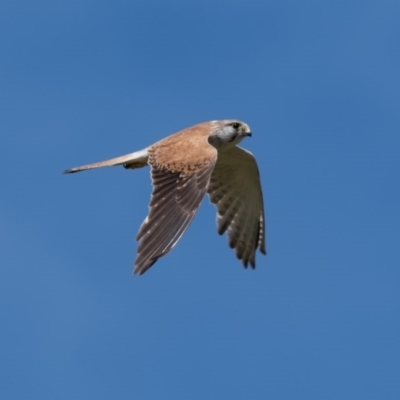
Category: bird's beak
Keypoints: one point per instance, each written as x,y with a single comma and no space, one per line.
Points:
247,131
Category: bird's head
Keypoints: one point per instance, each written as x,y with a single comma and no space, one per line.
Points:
227,133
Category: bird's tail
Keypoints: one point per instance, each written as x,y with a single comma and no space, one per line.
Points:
138,159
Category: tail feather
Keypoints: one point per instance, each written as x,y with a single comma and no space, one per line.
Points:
137,159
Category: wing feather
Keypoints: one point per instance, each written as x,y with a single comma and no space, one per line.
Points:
235,189
175,199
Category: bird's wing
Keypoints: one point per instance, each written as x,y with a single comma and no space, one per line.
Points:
235,189
180,174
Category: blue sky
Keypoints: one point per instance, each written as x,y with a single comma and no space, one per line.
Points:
318,82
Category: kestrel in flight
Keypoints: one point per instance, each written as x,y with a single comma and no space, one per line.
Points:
186,165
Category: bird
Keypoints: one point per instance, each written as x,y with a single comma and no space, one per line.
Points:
186,165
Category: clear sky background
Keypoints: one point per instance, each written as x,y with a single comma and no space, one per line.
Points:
319,84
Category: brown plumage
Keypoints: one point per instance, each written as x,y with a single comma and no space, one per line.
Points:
186,165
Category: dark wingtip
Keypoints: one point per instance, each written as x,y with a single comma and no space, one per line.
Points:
221,230
141,269
246,262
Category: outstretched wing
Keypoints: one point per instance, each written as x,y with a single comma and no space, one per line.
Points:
178,189
235,189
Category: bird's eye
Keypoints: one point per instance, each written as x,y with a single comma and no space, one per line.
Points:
235,125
